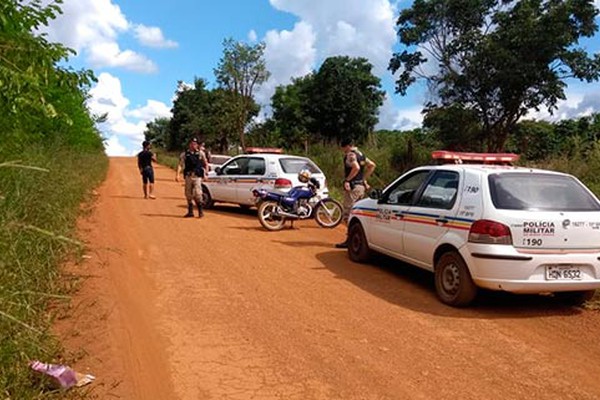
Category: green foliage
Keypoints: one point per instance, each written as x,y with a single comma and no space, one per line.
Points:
157,132
498,59
51,156
212,115
240,71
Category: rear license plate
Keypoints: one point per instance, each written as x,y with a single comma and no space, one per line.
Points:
563,273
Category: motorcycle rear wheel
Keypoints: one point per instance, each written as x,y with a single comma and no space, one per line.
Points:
329,213
267,217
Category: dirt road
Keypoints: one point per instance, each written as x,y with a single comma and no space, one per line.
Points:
218,308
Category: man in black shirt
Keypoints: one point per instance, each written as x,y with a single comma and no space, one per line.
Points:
144,161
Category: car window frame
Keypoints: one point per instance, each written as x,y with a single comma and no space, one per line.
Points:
436,173
383,200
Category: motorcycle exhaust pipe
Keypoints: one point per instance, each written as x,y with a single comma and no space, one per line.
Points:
287,215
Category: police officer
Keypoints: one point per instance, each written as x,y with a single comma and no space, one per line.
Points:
357,169
193,163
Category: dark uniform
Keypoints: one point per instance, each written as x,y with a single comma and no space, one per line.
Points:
194,164
357,183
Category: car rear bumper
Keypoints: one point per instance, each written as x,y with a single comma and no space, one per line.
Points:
503,268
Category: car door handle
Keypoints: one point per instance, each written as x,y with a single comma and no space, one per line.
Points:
441,220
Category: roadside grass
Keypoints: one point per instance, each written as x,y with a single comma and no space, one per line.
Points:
40,199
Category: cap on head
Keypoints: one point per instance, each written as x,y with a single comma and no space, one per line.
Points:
194,140
346,142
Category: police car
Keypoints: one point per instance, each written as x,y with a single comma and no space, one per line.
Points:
234,180
485,225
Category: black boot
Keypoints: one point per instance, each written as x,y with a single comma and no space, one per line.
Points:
343,245
190,212
200,212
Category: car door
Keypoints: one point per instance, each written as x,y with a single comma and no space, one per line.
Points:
426,221
249,178
388,225
225,187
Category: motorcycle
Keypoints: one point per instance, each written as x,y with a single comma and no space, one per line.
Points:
301,202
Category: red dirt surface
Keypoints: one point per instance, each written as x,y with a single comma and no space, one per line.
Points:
219,308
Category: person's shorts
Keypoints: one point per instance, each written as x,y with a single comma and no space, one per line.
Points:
148,175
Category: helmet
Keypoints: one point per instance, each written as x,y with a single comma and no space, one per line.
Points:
304,175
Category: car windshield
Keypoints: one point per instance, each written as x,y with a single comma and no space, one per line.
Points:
293,165
539,191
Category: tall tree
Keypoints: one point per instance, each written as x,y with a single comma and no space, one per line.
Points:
345,97
291,110
157,132
497,58
241,70
189,107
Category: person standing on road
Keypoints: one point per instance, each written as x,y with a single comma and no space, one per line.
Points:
193,163
357,169
144,161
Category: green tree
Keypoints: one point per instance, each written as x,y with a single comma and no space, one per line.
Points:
189,109
498,58
344,98
240,71
291,110
157,132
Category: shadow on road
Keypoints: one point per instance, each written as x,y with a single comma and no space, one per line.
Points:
162,215
413,288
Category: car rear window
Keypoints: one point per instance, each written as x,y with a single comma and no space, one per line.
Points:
538,191
293,165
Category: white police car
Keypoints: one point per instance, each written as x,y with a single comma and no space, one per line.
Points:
497,227
234,180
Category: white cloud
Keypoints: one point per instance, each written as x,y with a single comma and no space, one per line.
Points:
109,54
357,28
390,117
252,36
579,103
92,28
288,54
115,148
123,122
152,36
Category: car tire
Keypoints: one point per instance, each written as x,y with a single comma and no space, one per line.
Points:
453,283
575,298
207,201
358,248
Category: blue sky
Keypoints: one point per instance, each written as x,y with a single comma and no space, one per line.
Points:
139,49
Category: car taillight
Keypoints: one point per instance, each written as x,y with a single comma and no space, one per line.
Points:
489,232
282,183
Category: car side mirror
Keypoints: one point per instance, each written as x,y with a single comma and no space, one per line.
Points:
375,194
218,170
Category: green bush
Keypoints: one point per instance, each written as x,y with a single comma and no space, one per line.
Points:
40,198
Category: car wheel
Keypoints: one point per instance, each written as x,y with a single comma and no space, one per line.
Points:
575,298
358,248
453,283
207,201
268,217
329,213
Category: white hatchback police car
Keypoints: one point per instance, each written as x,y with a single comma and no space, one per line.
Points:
485,225
234,180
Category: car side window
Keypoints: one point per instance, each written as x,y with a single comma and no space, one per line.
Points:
239,166
256,166
403,191
440,191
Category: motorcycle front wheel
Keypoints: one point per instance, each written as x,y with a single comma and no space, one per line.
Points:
267,215
329,213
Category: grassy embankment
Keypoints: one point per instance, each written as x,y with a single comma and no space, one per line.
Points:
42,189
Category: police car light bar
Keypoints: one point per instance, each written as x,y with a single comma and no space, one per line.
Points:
263,150
485,158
